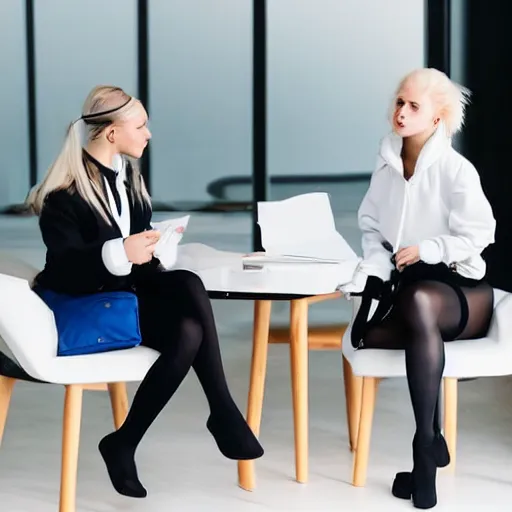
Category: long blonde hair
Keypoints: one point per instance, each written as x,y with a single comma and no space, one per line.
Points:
104,105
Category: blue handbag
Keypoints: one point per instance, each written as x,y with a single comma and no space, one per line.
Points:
89,324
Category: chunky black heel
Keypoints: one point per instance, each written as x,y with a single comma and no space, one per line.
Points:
420,485
424,495
402,484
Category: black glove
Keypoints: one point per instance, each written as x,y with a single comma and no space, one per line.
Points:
373,290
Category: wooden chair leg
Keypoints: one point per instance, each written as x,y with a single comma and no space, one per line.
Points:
6,387
70,446
262,309
450,418
353,394
299,352
362,451
119,401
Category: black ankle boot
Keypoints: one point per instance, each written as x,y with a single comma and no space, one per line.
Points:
420,485
424,493
402,485
120,461
234,437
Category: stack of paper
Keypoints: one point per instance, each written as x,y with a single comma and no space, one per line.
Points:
300,230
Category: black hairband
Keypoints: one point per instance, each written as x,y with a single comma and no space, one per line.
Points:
87,117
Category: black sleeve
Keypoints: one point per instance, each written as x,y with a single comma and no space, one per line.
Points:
72,263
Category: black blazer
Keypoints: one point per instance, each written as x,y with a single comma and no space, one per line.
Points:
74,235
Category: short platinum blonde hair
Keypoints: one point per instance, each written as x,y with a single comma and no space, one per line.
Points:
450,99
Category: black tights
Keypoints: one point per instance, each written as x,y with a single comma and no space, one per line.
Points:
176,319
424,312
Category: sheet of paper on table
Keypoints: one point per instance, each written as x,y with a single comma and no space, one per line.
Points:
199,257
300,230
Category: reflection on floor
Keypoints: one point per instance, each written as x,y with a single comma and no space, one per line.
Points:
178,460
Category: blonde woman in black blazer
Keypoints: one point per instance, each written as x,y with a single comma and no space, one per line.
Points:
94,213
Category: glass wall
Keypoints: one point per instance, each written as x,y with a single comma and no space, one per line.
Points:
79,45
332,69
14,169
201,93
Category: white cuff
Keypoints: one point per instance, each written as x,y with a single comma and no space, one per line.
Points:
356,285
114,257
430,252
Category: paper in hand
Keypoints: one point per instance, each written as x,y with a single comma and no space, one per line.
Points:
166,249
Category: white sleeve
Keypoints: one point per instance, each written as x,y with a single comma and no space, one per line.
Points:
471,222
376,259
114,257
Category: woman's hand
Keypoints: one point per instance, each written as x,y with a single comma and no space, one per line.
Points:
407,256
140,247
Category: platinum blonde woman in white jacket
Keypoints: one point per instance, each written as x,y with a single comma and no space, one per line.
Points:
425,222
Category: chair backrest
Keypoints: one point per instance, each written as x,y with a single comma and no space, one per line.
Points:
12,266
500,329
28,335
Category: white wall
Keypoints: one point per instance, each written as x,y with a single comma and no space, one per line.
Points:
14,161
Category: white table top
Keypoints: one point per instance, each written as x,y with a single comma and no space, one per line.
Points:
223,271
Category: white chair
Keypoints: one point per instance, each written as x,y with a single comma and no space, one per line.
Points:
28,348
363,369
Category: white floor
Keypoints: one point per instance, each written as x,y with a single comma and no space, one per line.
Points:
178,460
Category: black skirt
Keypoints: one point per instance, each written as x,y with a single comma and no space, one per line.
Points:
387,292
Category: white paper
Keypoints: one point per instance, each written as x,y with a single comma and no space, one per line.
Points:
199,257
303,228
166,247
170,225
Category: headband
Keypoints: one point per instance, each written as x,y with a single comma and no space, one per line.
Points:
89,118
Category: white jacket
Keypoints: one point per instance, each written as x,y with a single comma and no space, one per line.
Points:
441,208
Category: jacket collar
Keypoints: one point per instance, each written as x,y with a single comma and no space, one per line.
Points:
110,173
434,148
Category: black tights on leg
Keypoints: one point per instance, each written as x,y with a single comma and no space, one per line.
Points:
424,314
160,383
176,319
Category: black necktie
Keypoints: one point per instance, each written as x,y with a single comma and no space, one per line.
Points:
111,180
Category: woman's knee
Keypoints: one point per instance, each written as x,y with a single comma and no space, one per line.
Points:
184,280
417,306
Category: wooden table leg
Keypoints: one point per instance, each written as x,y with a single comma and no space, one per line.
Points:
262,309
299,369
